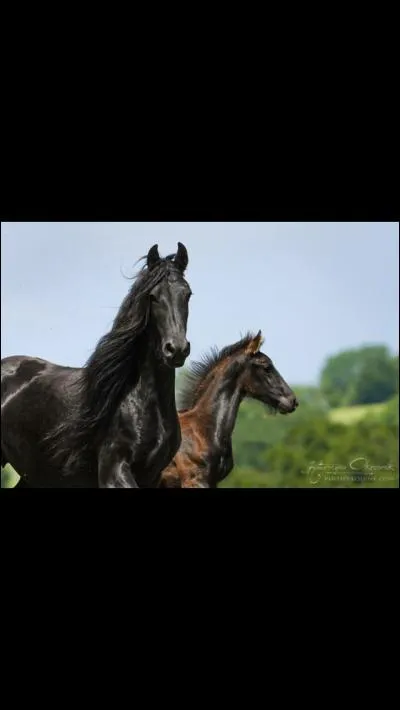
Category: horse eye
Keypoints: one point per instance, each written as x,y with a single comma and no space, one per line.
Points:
264,365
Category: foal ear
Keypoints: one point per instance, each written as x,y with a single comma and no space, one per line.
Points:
181,257
153,257
254,344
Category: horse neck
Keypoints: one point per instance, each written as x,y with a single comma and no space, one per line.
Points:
110,380
157,378
218,407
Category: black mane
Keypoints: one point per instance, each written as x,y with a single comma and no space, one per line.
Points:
197,372
110,371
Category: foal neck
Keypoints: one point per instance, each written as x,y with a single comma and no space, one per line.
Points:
218,405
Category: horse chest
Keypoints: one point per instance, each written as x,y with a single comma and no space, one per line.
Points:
156,457
150,435
153,441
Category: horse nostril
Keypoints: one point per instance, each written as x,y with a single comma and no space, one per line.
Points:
176,352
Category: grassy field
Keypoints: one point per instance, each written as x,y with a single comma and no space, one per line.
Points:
350,415
9,477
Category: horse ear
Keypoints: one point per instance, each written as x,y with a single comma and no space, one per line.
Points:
153,257
181,257
255,344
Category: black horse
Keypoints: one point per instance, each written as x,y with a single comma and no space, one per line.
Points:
112,423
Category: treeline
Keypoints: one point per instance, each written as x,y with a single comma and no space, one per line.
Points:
360,376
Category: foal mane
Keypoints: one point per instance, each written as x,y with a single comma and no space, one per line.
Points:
195,376
112,367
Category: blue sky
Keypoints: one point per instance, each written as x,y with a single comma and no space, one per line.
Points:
312,288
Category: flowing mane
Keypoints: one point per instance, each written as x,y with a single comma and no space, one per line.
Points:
194,378
110,371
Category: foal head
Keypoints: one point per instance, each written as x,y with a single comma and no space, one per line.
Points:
239,368
168,304
261,380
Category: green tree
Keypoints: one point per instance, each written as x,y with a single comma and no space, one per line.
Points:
361,376
311,399
396,371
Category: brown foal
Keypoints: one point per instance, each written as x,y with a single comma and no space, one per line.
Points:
208,406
